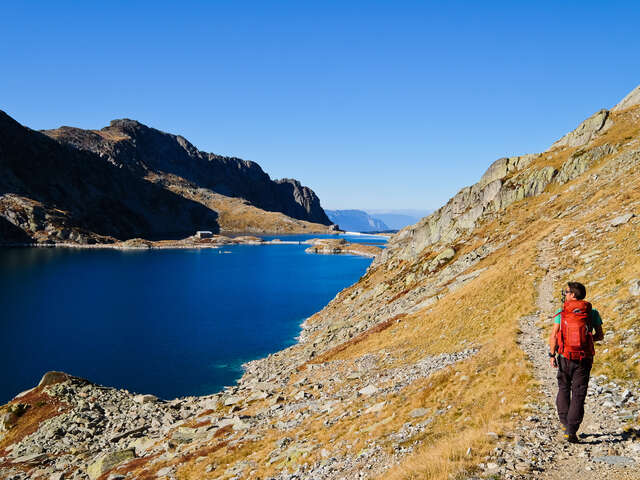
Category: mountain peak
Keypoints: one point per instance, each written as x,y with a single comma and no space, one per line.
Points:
125,124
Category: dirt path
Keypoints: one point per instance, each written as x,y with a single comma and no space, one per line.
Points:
536,449
605,449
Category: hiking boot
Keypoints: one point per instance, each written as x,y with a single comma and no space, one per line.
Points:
571,438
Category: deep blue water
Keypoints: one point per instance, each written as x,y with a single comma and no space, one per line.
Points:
167,322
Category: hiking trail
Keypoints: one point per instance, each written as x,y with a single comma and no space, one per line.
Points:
537,448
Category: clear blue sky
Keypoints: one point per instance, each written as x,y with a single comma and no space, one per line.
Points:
372,104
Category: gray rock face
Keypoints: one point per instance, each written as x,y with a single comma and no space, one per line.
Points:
106,462
586,131
615,460
492,193
621,220
443,257
506,181
503,166
631,100
581,162
306,204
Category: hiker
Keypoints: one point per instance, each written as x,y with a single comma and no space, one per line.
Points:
572,339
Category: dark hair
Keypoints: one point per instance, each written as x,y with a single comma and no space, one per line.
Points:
578,290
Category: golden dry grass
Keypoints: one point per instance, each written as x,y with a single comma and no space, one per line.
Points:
237,214
487,392
41,408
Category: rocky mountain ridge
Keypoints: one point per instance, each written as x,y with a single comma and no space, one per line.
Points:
145,150
509,180
128,180
430,366
356,221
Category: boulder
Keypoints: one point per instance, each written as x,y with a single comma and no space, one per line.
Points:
634,287
148,398
142,444
621,220
108,461
184,434
614,460
232,400
14,412
443,257
503,167
368,390
31,458
418,412
235,422
53,377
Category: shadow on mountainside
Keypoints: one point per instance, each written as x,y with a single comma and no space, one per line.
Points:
90,193
143,149
12,234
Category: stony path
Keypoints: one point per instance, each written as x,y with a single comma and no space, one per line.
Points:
537,449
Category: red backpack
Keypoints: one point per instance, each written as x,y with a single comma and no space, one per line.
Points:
575,340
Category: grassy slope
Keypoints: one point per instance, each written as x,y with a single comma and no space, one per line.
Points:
489,391
236,214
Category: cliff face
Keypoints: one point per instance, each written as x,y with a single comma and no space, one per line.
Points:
147,151
419,369
128,180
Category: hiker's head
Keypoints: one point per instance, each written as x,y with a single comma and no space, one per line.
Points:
577,290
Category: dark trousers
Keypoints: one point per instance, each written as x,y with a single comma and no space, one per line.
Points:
573,380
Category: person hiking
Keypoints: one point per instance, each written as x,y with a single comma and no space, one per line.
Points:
572,339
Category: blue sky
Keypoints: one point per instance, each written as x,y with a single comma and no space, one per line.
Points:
373,104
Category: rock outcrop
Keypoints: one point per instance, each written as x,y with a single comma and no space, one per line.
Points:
329,246
586,131
506,181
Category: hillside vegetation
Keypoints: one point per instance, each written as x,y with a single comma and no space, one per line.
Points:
419,370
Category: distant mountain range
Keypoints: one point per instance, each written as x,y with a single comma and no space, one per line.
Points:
356,221
398,219
375,220
129,180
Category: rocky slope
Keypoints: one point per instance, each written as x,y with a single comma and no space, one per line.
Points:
147,151
430,366
128,180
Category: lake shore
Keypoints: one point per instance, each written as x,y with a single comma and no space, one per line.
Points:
318,245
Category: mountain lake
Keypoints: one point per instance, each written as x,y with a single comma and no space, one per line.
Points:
171,322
